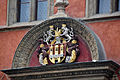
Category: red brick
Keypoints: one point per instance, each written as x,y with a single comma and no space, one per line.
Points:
3,12
109,33
8,44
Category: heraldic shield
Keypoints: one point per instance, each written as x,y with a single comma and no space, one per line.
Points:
58,45
57,53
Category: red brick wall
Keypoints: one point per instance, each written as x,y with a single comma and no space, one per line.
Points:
109,33
8,44
3,12
75,9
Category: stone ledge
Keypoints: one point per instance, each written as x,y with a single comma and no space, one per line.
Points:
100,70
23,25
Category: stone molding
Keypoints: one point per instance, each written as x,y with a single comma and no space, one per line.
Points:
100,70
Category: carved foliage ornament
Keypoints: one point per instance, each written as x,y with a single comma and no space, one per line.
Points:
58,45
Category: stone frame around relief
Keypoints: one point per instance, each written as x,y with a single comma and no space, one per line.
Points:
30,41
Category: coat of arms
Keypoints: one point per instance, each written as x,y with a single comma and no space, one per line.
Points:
58,45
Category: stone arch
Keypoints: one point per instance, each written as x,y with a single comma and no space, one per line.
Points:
30,41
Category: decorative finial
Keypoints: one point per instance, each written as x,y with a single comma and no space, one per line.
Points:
61,5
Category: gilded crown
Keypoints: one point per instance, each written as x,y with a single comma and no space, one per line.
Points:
74,41
41,45
64,41
51,26
63,25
